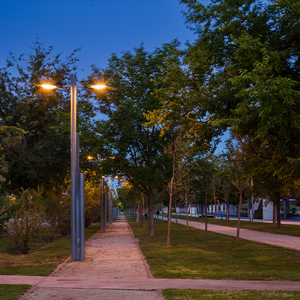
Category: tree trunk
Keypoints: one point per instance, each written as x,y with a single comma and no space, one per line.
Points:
206,211
239,216
138,212
170,203
215,203
274,211
186,209
143,213
162,211
169,213
150,205
176,212
227,207
277,195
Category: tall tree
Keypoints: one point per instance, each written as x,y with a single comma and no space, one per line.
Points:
138,150
42,159
253,48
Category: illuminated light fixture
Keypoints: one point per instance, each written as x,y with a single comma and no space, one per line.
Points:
49,86
103,176
116,177
89,157
98,86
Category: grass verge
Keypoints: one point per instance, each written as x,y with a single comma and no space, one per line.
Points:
13,291
174,294
40,262
293,230
194,254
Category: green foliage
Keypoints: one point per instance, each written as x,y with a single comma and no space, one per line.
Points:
138,150
57,206
35,123
27,220
10,139
92,202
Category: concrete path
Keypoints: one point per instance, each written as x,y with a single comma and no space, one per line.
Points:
115,269
133,284
280,240
110,256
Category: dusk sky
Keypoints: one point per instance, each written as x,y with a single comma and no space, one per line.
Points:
98,27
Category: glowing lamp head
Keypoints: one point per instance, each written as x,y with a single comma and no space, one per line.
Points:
49,86
98,86
89,157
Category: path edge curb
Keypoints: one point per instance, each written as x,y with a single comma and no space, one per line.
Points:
141,254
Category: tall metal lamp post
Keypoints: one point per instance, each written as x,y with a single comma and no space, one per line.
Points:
77,180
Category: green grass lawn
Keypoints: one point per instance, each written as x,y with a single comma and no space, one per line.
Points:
173,294
41,261
293,230
13,291
194,254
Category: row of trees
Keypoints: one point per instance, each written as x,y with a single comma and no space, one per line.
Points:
241,76
167,109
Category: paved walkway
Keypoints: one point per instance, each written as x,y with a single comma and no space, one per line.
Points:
110,257
115,269
280,240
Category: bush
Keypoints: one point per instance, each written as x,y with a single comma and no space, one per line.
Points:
27,220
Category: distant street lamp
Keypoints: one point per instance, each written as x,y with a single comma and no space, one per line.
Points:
77,236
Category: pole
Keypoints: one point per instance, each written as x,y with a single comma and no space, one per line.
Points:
102,206
82,219
77,203
105,212
110,203
73,167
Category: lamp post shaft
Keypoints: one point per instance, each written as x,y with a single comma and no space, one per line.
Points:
77,186
73,167
110,202
103,221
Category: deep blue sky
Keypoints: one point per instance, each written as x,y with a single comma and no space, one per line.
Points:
98,27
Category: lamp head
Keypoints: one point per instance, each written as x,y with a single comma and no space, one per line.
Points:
98,86
48,86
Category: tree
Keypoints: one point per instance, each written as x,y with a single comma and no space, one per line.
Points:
138,150
253,49
40,119
27,220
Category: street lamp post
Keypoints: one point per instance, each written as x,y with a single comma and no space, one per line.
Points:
110,208
77,179
103,207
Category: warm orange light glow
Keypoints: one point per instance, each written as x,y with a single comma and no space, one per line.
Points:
98,86
103,176
89,157
116,177
49,86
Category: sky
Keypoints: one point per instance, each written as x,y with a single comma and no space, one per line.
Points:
98,27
